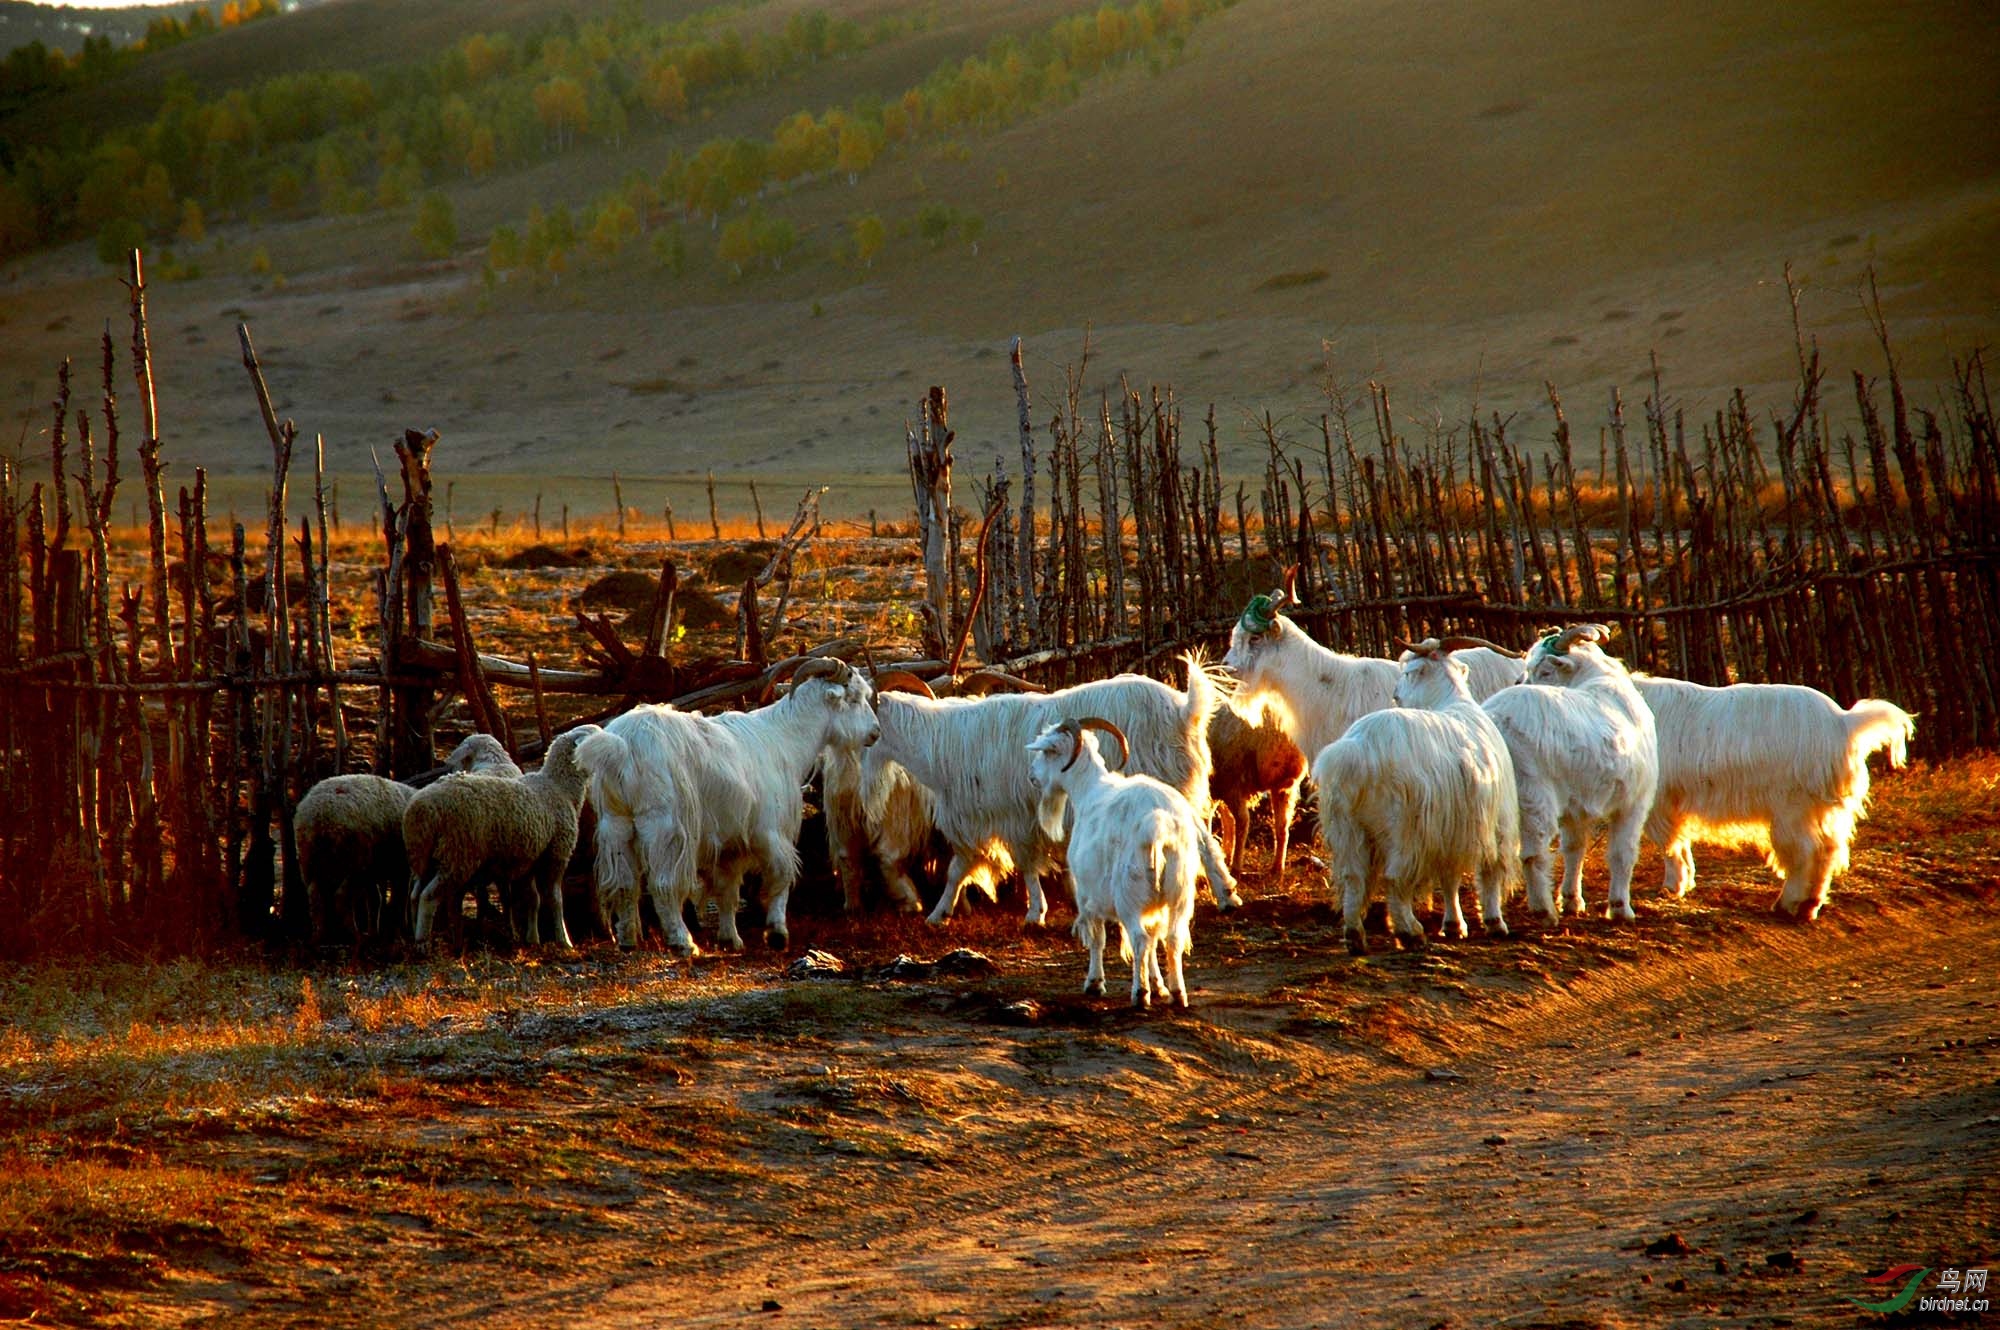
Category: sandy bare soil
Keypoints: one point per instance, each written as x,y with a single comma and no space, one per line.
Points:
1487,1133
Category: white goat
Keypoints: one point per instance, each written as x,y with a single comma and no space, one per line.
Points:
1585,752
681,795
985,803
1416,796
1133,855
1777,766
1316,693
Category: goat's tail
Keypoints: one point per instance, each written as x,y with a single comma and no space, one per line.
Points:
1873,724
1202,699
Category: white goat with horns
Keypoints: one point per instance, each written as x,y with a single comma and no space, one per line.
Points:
681,795
1316,693
1781,767
985,808
1584,753
1134,851
1418,795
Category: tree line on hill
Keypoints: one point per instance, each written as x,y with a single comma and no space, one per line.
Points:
344,141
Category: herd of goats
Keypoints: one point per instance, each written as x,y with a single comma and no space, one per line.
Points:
1462,758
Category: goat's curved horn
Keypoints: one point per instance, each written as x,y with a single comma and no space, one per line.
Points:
901,681
1292,585
1070,726
1430,646
822,667
1462,643
979,683
1105,726
1581,632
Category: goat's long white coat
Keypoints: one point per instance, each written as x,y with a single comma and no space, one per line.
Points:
965,751
680,795
1134,852
1585,753
1778,766
1414,797
1316,693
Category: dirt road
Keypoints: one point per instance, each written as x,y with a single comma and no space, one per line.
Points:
1830,1103
1489,1133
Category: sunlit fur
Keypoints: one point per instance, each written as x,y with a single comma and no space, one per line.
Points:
1251,758
1319,693
875,810
1777,766
961,750
1585,753
1134,850
1416,796
684,799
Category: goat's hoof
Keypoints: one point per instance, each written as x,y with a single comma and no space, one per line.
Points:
1180,1002
1456,932
1357,945
777,939
1093,988
1144,1002
935,920
1233,902
686,951
1413,941
1495,929
1624,914
1033,920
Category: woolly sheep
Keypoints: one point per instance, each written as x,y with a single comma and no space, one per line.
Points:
517,832
349,833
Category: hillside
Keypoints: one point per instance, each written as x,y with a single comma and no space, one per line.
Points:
1466,201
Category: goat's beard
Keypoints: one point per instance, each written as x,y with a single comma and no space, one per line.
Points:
1049,811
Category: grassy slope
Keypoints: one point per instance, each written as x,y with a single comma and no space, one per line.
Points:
1499,195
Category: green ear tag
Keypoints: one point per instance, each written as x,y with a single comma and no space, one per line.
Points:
1259,614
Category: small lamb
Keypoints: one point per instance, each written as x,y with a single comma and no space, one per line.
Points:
1134,854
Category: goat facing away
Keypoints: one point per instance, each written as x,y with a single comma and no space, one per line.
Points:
1780,767
1416,796
681,797
1585,752
1135,849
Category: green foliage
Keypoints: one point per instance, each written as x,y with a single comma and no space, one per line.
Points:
490,102
436,230
868,234
670,252
117,239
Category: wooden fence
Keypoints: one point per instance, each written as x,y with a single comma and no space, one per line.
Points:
1864,563
153,737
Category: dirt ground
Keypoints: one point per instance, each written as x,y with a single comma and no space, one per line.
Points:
1491,1132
